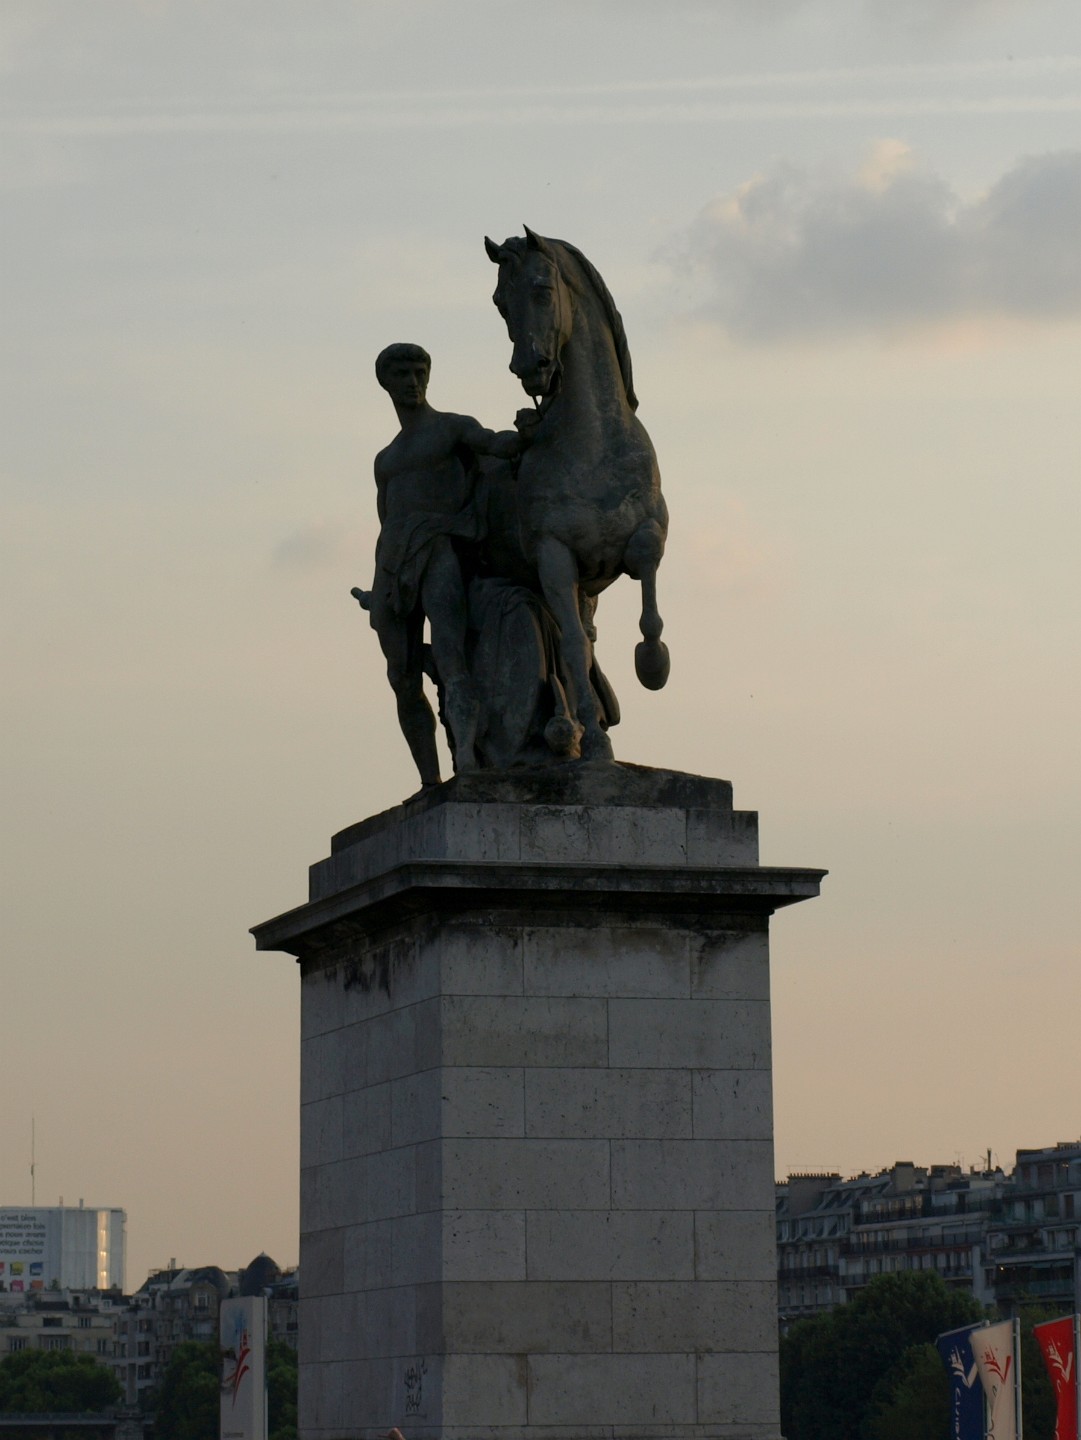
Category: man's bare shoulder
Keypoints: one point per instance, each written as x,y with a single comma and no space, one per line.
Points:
454,427
384,460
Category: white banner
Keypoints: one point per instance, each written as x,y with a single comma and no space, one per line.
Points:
242,1336
993,1349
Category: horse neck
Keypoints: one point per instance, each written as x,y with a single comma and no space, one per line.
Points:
592,381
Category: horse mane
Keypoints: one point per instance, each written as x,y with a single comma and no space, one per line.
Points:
611,314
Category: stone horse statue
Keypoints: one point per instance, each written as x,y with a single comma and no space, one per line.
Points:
589,500
502,542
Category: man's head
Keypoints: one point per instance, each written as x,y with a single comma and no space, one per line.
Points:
403,371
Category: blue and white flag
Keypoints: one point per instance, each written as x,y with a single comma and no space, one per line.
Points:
966,1392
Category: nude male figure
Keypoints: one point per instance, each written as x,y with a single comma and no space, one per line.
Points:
424,495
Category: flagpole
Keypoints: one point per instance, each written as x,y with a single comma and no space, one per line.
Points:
986,1406
1077,1368
1017,1372
983,1391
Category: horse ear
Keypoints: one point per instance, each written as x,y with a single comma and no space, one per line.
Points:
535,241
495,254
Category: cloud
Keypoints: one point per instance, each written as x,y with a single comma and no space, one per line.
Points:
791,254
1037,84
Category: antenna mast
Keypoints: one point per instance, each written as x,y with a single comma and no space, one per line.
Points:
33,1191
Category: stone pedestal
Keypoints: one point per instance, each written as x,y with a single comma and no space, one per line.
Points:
536,1133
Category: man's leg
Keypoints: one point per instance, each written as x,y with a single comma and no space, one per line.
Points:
400,642
443,598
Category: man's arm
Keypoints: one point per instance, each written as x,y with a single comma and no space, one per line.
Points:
380,489
504,444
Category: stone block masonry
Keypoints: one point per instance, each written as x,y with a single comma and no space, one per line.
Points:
536,1122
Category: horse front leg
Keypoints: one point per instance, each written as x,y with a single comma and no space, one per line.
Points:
640,560
558,571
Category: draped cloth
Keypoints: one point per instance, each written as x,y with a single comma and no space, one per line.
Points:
403,549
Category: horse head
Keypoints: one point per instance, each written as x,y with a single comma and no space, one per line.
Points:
535,300
600,466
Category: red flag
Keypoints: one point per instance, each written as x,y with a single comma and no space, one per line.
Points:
1058,1341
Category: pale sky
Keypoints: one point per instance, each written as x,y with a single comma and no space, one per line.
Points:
843,235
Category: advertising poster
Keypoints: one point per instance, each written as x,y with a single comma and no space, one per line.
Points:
23,1243
23,1237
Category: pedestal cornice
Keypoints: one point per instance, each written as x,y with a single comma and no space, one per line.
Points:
413,888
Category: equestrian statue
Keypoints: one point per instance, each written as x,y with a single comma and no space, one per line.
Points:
503,541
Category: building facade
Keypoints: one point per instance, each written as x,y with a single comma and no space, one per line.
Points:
136,1335
176,1305
1033,1252
1008,1240
80,1323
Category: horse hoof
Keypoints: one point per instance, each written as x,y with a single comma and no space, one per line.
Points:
562,736
652,663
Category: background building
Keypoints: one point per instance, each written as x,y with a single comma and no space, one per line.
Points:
63,1247
1009,1240
182,1303
80,1322
136,1335
1033,1251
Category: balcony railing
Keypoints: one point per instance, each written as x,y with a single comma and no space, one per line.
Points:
909,1244
1012,1289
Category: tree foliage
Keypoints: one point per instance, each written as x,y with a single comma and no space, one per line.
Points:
186,1403
911,1399
836,1367
37,1381
281,1379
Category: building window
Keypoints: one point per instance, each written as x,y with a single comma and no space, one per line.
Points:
84,1322
55,1342
16,1342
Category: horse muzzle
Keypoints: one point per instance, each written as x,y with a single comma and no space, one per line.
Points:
539,376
